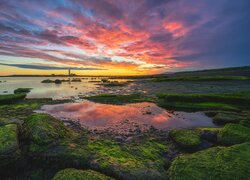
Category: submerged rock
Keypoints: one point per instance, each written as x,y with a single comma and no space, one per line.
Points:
186,139
71,173
214,163
234,134
9,148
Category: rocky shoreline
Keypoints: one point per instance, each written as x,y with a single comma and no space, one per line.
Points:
38,146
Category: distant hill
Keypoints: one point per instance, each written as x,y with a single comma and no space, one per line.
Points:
234,71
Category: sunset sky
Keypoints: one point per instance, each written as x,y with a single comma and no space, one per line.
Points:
122,37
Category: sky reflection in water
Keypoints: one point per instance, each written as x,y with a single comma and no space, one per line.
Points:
104,116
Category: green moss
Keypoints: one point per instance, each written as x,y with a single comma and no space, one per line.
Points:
234,134
227,117
118,99
11,98
227,101
51,141
22,90
187,139
200,78
197,106
44,129
24,108
9,148
134,161
215,163
74,174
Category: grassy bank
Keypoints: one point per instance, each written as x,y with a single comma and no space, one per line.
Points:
200,78
225,101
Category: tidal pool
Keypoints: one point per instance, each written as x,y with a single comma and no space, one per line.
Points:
124,118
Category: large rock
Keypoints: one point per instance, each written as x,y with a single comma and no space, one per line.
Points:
9,148
51,141
74,174
186,139
142,160
215,163
234,134
43,129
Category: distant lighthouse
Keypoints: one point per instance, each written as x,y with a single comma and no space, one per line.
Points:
69,72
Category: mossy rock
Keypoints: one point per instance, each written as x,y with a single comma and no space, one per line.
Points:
128,162
234,134
119,99
222,118
74,174
43,129
9,148
186,139
215,163
22,90
47,81
51,141
11,98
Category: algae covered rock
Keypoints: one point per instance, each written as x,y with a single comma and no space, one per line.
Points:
134,161
9,148
22,90
222,118
74,174
11,98
234,134
51,141
47,81
215,163
186,139
43,129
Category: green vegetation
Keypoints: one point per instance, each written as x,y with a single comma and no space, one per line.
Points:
186,139
215,163
44,129
9,148
227,117
136,161
233,134
75,174
200,78
51,141
226,101
23,108
11,98
119,99
22,90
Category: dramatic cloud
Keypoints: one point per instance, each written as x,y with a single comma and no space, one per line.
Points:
147,36
41,67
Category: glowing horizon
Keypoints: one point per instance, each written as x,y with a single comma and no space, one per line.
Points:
115,37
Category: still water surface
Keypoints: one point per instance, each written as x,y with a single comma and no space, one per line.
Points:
46,90
124,117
